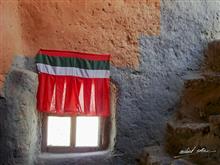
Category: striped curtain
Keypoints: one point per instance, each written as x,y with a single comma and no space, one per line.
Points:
72,83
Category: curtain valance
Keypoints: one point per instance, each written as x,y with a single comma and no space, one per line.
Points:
73,83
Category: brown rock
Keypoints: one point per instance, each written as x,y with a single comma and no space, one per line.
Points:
180,127
215,124
212,61
201,98
214,119
154,155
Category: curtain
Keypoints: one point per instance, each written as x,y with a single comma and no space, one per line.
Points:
73,83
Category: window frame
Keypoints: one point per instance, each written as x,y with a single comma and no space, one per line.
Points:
104,136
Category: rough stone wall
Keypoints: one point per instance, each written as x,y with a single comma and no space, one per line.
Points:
196,122
19,125
148,92
213,57
148,97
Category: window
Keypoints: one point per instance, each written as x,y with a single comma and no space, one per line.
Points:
58,131
74,134
75,86
87,131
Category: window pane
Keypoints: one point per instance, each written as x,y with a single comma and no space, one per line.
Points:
58,131
87,131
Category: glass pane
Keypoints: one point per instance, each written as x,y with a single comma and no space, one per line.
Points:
58,131
87,131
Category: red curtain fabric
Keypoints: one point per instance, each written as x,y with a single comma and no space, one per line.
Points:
70,92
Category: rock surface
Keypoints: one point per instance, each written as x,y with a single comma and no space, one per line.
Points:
19,125
214,119
155,155
182,127
215,124
201,98
213,57
149,97
197,121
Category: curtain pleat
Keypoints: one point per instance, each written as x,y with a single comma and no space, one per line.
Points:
73,95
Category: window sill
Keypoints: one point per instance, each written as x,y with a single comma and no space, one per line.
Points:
62,157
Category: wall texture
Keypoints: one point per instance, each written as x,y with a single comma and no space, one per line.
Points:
98,26
20,136
148,96
147,71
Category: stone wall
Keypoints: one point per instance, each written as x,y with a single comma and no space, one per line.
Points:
149,80
148,97
197,121
20,124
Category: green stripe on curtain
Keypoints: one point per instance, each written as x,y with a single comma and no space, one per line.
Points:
72,62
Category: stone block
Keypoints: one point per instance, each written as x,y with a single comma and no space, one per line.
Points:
154,155
212,61
215,124
200,98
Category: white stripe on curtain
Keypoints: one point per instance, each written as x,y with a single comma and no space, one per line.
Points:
72,71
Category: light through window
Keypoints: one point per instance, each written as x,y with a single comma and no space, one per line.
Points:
58,131
87,131
74,134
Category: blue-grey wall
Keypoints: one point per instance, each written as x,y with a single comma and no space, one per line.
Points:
148,96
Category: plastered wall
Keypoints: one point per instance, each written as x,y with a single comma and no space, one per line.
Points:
98,26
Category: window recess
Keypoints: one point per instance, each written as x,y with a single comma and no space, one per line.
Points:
74,134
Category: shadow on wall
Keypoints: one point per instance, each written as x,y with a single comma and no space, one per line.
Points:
196,124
